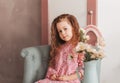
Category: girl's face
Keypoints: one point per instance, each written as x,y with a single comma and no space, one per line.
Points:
64,30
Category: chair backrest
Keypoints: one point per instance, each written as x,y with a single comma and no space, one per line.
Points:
35,63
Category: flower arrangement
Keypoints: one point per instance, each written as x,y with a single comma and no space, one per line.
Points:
91,52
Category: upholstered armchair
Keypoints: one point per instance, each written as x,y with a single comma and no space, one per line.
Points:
36,61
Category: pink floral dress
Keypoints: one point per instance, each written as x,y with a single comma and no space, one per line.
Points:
66,63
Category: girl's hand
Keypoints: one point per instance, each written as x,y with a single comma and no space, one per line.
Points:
53,77
68,77
63,78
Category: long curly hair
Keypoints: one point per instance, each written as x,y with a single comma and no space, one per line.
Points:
56,41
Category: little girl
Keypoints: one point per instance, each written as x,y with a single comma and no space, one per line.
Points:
64,59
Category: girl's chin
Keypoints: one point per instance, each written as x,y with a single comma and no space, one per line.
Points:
66,40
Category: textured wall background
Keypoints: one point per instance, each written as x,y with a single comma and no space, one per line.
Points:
19,28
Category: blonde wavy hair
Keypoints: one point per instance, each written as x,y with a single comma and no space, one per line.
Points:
56,41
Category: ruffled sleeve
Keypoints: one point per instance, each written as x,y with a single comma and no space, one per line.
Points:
50,72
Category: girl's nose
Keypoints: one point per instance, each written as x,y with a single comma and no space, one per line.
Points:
63,32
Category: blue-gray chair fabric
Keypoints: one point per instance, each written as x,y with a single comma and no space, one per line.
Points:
35,63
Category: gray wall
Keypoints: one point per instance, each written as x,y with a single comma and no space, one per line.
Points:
109,24
19,28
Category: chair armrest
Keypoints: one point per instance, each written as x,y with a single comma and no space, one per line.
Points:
35,63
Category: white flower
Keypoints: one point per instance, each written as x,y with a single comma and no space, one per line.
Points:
83,30
87,37
91,52
101,42
81,46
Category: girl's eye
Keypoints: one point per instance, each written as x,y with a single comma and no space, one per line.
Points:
60,31
65,28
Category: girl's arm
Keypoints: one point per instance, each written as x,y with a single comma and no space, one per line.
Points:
50,72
